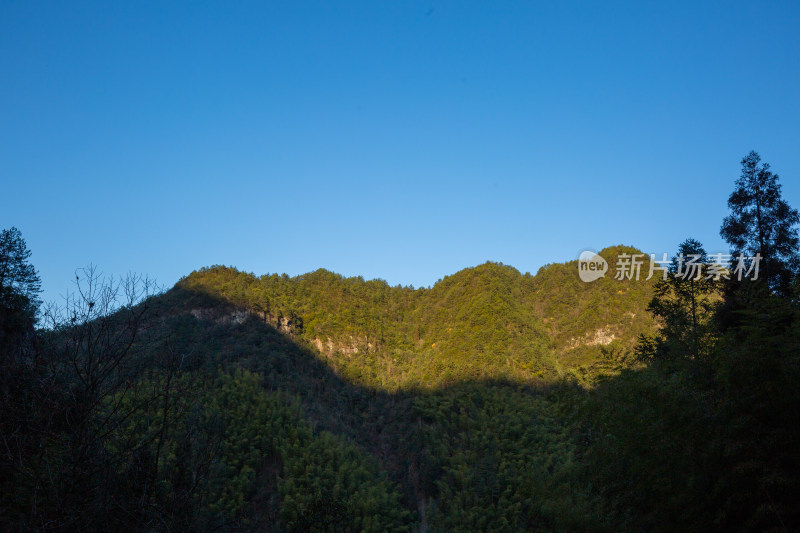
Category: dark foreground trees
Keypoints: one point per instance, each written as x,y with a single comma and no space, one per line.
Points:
70,392
109,422
712,442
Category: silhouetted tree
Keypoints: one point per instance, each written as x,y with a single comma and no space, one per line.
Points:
682,304
19,289
761,222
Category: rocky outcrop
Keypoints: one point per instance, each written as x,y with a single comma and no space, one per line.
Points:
353,346
602,336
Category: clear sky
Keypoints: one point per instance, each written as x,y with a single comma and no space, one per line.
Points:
398,140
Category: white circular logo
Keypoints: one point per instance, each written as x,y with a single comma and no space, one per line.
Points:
591,266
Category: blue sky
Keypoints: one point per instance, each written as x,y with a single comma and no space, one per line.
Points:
399,140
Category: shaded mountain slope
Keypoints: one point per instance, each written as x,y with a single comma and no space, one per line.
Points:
453,390
514,440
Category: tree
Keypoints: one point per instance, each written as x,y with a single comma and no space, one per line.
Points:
19,289
16,273
757,361
761,222
682,303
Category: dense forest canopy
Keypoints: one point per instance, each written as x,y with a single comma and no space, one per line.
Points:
491,401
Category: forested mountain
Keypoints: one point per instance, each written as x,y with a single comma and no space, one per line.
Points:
491,401
486,322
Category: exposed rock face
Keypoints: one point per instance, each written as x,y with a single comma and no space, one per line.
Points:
355,345
284,324
290,325
237,316
602,336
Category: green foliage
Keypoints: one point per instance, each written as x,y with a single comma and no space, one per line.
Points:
445,442
265,431
261,464
506,456
486,322
595,325
646,429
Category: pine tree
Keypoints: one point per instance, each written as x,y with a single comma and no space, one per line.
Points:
761,222
19,288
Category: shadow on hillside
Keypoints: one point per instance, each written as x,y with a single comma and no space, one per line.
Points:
650,438
388,425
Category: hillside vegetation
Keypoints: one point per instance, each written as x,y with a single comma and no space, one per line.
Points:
486,322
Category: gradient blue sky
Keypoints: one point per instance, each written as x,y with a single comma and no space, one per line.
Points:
400,140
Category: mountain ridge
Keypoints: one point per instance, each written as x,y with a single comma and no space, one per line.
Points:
486,321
